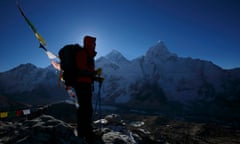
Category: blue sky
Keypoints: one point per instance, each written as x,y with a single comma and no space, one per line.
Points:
204,29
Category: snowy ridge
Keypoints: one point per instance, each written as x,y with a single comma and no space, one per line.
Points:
116,57
156,78
181,80
29,84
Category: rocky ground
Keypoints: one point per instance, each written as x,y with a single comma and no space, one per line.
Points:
179,132
45,127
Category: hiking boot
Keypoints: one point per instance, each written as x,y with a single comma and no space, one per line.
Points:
94,139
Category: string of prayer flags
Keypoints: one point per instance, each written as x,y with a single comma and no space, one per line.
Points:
15,113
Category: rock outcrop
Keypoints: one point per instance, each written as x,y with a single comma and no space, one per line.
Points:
114,129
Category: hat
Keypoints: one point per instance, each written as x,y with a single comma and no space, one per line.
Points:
89,39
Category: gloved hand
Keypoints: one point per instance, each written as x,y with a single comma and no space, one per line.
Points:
99,71
71,93
99,79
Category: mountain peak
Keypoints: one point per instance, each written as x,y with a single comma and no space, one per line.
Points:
116,57
159,50
160,42
159,47
24,67
114,53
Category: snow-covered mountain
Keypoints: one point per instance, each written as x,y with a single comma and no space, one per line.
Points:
29,84
158,80
163,81
181,79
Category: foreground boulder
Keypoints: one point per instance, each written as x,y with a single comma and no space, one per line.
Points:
43,129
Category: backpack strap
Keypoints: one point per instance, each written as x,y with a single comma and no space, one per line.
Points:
60,77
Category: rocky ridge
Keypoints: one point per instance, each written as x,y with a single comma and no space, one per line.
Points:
116,129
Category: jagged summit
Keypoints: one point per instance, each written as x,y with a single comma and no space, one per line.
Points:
160,42
159,50
116,57
24,67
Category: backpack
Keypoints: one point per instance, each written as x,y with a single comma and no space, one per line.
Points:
67,56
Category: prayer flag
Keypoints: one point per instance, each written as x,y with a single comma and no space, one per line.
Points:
19,113
3,114
26,111
38,36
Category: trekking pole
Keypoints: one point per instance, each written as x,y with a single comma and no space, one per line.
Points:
98,108
99,99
